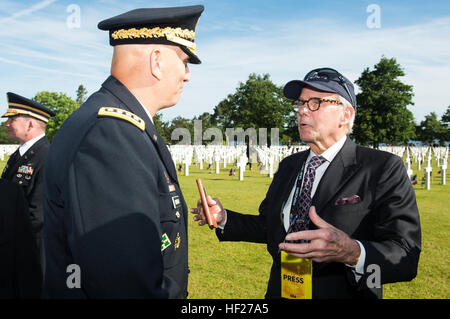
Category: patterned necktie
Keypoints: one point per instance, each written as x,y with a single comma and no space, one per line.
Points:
299,216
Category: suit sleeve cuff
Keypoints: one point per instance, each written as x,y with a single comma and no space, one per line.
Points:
222,226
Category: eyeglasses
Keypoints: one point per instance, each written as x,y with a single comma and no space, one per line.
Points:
329,74
313,103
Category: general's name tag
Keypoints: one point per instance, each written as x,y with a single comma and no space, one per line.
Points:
296,277
176,201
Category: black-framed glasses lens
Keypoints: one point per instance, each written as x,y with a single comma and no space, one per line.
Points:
313,104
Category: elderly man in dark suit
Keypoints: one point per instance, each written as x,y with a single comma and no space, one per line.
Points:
115,217
349,209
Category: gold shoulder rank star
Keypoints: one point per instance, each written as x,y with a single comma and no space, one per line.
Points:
122,114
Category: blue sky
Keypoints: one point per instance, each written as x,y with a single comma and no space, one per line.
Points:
41,50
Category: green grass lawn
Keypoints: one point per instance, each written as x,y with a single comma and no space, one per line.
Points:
241,270
433,278
226,270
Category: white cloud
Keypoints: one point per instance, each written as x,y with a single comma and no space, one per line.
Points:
27,11
42,53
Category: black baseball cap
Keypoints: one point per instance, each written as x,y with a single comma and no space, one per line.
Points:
322,79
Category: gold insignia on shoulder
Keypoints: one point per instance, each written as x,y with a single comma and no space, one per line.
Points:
122,114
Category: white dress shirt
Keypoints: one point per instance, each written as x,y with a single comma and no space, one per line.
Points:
146,111
27,145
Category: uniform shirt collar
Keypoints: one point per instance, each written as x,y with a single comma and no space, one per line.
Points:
146,111
27,145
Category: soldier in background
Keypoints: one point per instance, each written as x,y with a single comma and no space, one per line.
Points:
26,123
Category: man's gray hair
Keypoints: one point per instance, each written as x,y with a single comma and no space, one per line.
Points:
352,120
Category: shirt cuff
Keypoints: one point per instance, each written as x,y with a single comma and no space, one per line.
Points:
358,269
222,226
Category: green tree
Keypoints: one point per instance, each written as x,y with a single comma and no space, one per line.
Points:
431,129
446,124
162,127
207,121
59,103
257,103
382,114
291,134
181,122
446,117
81,94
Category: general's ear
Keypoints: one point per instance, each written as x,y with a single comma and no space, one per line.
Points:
156,63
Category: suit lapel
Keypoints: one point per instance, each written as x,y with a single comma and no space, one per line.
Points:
293,170
116,88
340,170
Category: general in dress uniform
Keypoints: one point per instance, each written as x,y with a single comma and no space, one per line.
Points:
113,203
26,123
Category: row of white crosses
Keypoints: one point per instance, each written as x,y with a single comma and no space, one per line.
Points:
7,150
211,154
268,156
421,154
426,153
271,156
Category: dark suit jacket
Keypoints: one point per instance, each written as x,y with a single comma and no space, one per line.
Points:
111,198
20,272
386,221
31,183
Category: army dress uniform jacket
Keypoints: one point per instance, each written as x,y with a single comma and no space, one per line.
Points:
113,205
27,171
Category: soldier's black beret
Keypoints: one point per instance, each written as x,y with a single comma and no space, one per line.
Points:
173,26
19,105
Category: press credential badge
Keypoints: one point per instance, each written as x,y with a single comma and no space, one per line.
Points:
296,277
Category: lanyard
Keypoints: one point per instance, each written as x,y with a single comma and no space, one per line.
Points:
298,187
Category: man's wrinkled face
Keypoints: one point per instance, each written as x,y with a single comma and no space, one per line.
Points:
324,126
